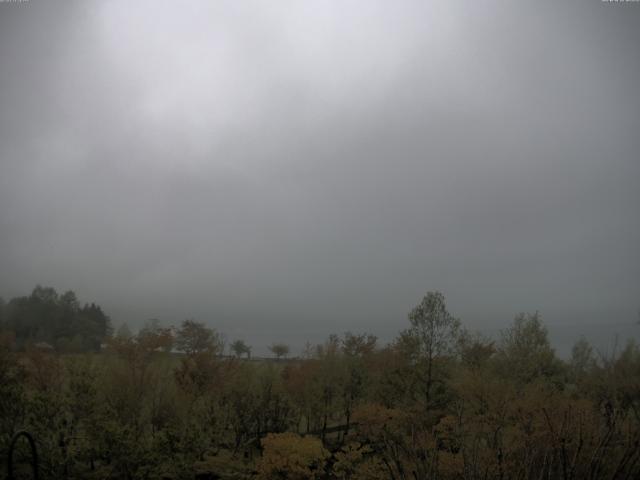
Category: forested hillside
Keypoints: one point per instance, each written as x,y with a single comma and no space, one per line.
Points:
438,402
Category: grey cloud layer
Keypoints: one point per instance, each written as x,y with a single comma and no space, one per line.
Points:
299,168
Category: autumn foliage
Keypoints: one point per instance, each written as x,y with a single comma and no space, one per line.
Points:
438,402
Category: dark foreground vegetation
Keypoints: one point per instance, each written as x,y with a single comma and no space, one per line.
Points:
437,403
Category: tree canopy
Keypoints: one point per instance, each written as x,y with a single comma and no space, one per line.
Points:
195,337
57,319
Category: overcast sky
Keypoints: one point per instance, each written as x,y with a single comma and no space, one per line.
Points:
288,169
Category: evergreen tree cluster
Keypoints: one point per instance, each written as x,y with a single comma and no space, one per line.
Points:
58,320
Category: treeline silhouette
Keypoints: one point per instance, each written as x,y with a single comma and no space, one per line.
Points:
56,320
438,402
